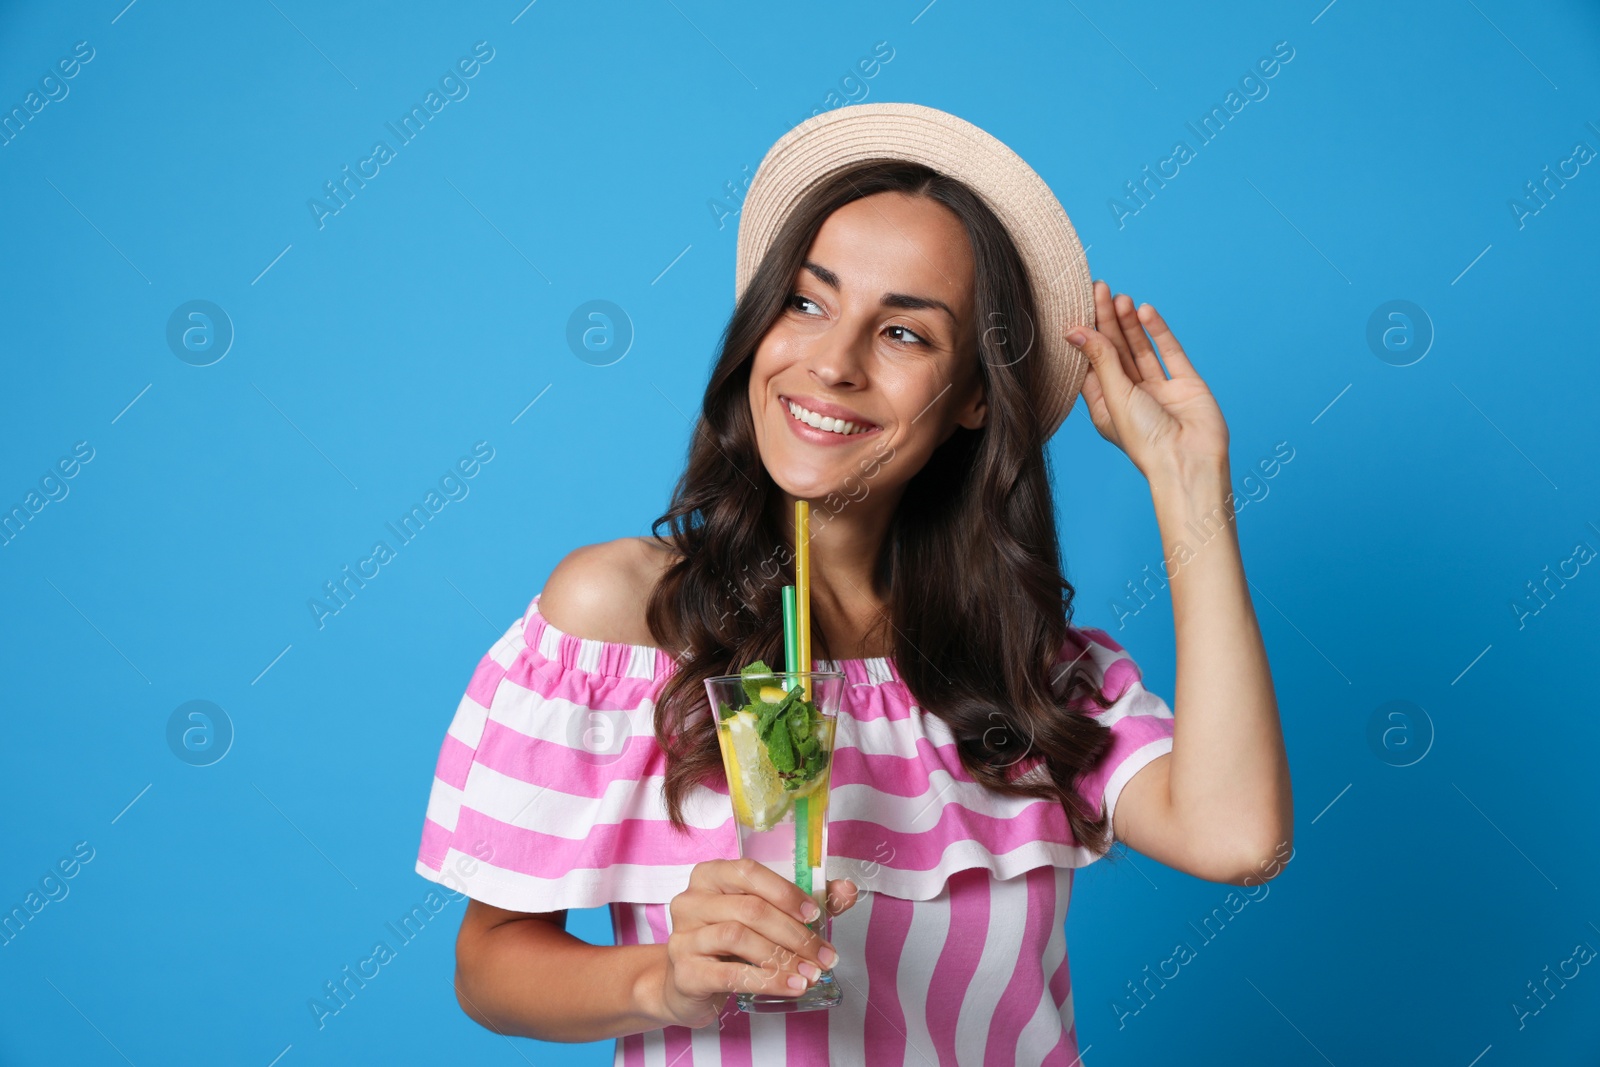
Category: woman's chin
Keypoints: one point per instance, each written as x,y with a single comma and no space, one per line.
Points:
807,478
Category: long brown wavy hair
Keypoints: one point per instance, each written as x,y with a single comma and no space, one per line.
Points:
969,570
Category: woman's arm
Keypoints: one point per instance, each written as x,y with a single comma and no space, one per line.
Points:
522,974
737,927
1219,806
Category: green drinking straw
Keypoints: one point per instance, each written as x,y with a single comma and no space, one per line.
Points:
791,633
802,806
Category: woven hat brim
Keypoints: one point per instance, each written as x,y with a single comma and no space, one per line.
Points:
1057,268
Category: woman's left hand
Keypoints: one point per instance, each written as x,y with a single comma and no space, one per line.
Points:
1165,425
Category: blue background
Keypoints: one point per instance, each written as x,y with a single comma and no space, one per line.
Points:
585,163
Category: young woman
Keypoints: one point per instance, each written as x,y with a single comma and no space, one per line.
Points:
884,361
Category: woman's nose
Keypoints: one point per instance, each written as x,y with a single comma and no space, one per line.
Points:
837,358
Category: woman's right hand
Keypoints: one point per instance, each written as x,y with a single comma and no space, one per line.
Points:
738,928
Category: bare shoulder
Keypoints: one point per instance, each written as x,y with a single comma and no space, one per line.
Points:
601,591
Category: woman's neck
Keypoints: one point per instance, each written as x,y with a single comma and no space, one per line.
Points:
849,616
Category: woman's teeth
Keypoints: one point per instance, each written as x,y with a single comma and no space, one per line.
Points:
825,422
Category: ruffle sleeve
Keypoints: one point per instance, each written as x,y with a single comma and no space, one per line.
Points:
1141,722
547,791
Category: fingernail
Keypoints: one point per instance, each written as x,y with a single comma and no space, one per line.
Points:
796,982
1077,337
810,970
828,956
809,910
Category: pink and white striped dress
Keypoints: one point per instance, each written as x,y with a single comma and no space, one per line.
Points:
547,796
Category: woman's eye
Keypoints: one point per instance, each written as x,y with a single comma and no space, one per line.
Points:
914,338
795,300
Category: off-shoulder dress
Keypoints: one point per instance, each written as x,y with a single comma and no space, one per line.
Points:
547,796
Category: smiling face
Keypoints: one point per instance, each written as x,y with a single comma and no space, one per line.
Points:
873,362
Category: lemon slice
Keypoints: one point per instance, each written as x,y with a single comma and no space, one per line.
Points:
773,694
759,799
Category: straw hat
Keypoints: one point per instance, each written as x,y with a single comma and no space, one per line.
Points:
1057,268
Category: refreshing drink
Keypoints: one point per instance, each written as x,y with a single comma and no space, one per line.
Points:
777,750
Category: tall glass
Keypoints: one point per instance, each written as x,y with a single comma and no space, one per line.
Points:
777,750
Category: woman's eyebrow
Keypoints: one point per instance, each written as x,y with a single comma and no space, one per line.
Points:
894,300
914,303
824,275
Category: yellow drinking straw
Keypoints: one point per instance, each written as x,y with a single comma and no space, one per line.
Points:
808,823
816,813
802,586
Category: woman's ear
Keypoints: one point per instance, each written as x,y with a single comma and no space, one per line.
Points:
975,412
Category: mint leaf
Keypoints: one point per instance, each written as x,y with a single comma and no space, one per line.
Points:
725,712
752,686
780,750
766,718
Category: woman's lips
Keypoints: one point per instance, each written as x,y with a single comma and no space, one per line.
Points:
826,408
818,436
